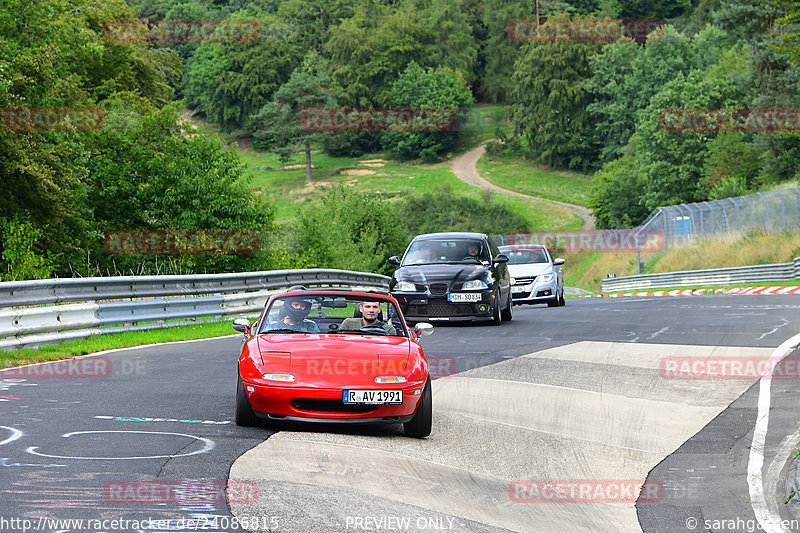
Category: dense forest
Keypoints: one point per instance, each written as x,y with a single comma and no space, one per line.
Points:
589,106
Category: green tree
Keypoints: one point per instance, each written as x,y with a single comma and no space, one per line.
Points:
672,162
368,51
549,103
146,174
230,82
626,75
279,125
418,88
500,49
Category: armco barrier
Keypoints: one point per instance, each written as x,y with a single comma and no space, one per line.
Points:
713,276
34,312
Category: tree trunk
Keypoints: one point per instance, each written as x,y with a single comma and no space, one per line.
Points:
308,163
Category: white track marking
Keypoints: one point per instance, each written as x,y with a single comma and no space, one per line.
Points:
208,445
15,434
767,520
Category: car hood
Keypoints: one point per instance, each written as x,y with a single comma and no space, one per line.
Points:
325,358
427,274
529,269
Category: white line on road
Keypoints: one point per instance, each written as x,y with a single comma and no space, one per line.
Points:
770,523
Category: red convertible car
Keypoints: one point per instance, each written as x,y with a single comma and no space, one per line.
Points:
333,356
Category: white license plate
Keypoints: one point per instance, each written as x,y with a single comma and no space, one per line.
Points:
375,397
521,288
464,297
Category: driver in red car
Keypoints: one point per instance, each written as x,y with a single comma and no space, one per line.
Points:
369,317
293,315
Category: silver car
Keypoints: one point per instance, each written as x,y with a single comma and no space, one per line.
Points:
535,276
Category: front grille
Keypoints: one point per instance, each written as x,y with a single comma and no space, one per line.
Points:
520,295
441,307
524,281
439,288
335,406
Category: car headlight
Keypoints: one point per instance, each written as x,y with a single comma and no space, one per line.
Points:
475,284
405,286
547,277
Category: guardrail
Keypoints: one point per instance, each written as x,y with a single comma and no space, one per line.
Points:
712,276
37,312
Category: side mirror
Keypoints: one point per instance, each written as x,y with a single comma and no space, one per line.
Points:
394,260
242,325
558,261
500,258
423,329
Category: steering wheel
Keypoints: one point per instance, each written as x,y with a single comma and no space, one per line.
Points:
374,328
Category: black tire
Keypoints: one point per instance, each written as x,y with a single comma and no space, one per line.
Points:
553,302
507,313
245,416
496,318
562,301
420,426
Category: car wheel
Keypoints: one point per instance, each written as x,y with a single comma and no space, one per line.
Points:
245,416
507,312
496,318
553,302
562,301
420,426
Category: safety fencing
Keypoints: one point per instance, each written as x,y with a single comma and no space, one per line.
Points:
37,312
772,211
713,276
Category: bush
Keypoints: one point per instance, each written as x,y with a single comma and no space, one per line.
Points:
441,210
349,230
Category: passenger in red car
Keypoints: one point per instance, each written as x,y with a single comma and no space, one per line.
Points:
293,315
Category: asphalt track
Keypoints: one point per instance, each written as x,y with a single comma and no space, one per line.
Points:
558,396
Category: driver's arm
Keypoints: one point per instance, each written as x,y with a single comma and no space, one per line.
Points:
390,328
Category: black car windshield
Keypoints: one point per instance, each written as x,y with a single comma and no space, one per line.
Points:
332,312
436,251
521,256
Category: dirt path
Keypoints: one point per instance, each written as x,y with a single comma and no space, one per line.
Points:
464,169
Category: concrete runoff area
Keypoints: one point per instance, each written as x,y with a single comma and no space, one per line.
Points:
583,411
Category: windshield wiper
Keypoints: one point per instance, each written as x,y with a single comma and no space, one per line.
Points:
285,330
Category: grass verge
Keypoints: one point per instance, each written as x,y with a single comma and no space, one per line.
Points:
523,176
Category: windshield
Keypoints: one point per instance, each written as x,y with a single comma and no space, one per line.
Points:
433,251
333,312
517,256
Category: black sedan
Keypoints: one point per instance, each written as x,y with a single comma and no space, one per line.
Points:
452,276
